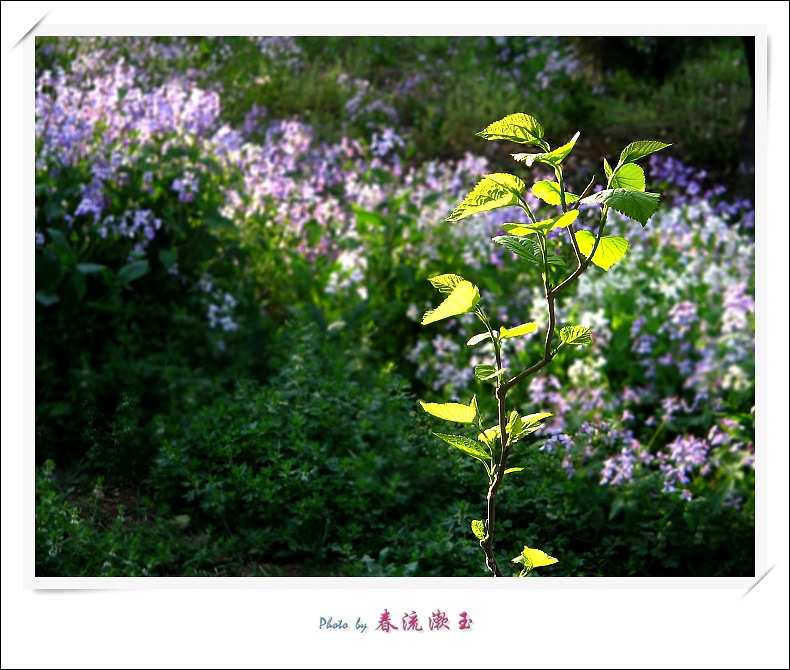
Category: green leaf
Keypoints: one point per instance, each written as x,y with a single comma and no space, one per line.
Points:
527,249
489,435
46,298
530,419
549,192
534,558
491,192
553,158
62,248
575,335
559,221
464,298
520,128
636,150
509,470
466,445
609,251
519,426
514,426
168,257
485,372
451,411
479,529
516,331
134,270
633,204
90,268
630,176
478,338
446,283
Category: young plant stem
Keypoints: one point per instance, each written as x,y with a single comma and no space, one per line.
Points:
503,387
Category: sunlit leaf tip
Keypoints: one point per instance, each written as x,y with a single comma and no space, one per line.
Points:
463,298
491,192
517,331
553,158
534,558
521,128
451,411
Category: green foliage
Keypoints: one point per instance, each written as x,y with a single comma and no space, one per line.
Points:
610,249
491,192
521,128
633,204
575,335
503,190
463,298
553,158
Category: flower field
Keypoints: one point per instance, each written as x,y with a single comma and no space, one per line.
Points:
233,242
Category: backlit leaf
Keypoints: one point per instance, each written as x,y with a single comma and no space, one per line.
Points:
466,445
521,128
446,283
534,558
516,331
476,339
479,529
553,158
575,335
609,251
636,205
534,418
636,150
630,176
463,298
509,470
491,192
451,411
559,221
489,435
485,372
549,192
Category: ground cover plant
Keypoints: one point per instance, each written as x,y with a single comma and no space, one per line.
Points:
234,238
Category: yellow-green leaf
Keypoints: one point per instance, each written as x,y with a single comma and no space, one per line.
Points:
636,150
575,335
509,470
476,339
610,249
516,331
521,128
549,192
559,221
479,529
467,445
489,435
463,298
534,418
491,192
630,176
451,411
486,372
534,558
446,283
553,158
